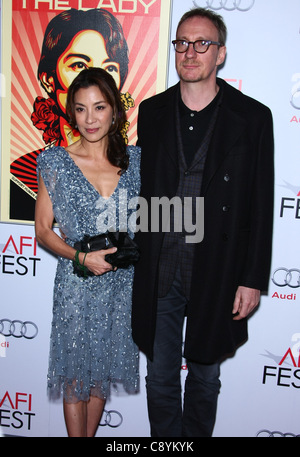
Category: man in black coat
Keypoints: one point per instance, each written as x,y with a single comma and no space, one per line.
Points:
200,138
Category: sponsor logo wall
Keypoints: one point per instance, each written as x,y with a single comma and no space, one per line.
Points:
260,384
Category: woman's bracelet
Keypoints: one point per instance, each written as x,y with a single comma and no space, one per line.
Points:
81,266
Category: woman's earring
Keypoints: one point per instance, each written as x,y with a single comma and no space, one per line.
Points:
113,121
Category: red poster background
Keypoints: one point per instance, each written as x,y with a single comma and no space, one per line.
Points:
141,26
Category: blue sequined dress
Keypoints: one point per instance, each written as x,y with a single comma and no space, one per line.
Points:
91,347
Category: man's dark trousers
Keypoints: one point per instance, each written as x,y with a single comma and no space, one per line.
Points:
167,416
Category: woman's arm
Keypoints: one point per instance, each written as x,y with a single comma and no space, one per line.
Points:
45,236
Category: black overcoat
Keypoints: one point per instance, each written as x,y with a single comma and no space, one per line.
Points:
238,216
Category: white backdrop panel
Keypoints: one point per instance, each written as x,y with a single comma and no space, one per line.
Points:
263,61
259,386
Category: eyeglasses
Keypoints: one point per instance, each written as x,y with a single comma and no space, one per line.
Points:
200,46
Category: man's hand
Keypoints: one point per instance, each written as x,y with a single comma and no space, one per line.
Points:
246,300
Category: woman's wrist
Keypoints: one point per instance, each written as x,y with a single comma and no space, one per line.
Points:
79,260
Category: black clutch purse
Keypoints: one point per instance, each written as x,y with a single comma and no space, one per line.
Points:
127,250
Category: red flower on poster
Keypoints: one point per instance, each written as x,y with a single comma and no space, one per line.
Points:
45,117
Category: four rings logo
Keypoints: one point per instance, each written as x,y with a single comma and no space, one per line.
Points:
295,99
286,277
111,418
240,5
18,329
267,433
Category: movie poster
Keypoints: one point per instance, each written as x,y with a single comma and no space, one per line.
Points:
47,43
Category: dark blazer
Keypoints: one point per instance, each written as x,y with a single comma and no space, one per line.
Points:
238,217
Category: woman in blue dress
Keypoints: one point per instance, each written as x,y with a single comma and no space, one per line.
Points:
86,189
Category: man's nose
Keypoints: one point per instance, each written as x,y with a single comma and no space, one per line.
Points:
190,50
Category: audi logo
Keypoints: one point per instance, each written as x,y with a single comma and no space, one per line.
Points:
268,434
18,329
295,94
286,277
111,419
240,5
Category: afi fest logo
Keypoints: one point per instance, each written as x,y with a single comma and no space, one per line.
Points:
285,369
290,206
228,5
18,255
16,410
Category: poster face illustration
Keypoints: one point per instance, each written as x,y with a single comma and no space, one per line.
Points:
47,43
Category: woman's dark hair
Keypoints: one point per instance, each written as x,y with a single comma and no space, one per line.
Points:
98,77
62,28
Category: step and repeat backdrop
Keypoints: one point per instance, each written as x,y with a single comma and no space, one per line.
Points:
261,382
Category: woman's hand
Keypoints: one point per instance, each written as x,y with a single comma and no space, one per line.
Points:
95,261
